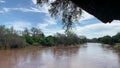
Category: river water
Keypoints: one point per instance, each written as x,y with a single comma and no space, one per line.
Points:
90,55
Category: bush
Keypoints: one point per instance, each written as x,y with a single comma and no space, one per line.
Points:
9,38
47,42
69,38
29,40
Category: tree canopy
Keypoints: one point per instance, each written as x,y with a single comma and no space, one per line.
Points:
11,38
65,9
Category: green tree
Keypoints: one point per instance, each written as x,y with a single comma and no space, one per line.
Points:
116,38
106,40
47,41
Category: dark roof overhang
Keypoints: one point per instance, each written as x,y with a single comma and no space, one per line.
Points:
104,10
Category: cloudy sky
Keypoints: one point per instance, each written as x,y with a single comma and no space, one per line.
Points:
24,13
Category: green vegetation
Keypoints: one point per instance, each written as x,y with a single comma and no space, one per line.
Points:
69,38
10,38
114,41
106,40
110,40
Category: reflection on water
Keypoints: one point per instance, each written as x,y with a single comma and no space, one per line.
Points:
90,55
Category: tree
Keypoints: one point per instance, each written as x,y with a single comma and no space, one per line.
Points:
69,38
116,38
36,32
72,38
47,41
10,39
106,40
66,9
60,39
26,32
82,39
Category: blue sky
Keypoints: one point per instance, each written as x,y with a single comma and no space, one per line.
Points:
24,13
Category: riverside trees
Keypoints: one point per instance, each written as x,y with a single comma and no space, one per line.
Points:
11,38
70,38
110,40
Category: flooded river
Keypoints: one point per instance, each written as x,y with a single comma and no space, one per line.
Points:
90,55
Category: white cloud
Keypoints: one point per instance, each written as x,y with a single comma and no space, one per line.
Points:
85,16
22,9
18,25
2,1
53,31
49,31
34,1
28,9
6,9
1,11
51,21
49,27
43,9
47,22
42,25
98,29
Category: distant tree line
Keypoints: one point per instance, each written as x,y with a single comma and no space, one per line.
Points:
11,38
111,40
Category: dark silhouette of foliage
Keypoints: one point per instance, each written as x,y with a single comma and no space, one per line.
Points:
110,40
68,11
106,40
116,38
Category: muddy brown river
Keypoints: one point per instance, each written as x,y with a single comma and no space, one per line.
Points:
90,55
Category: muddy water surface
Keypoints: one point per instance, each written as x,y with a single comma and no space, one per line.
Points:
90,55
